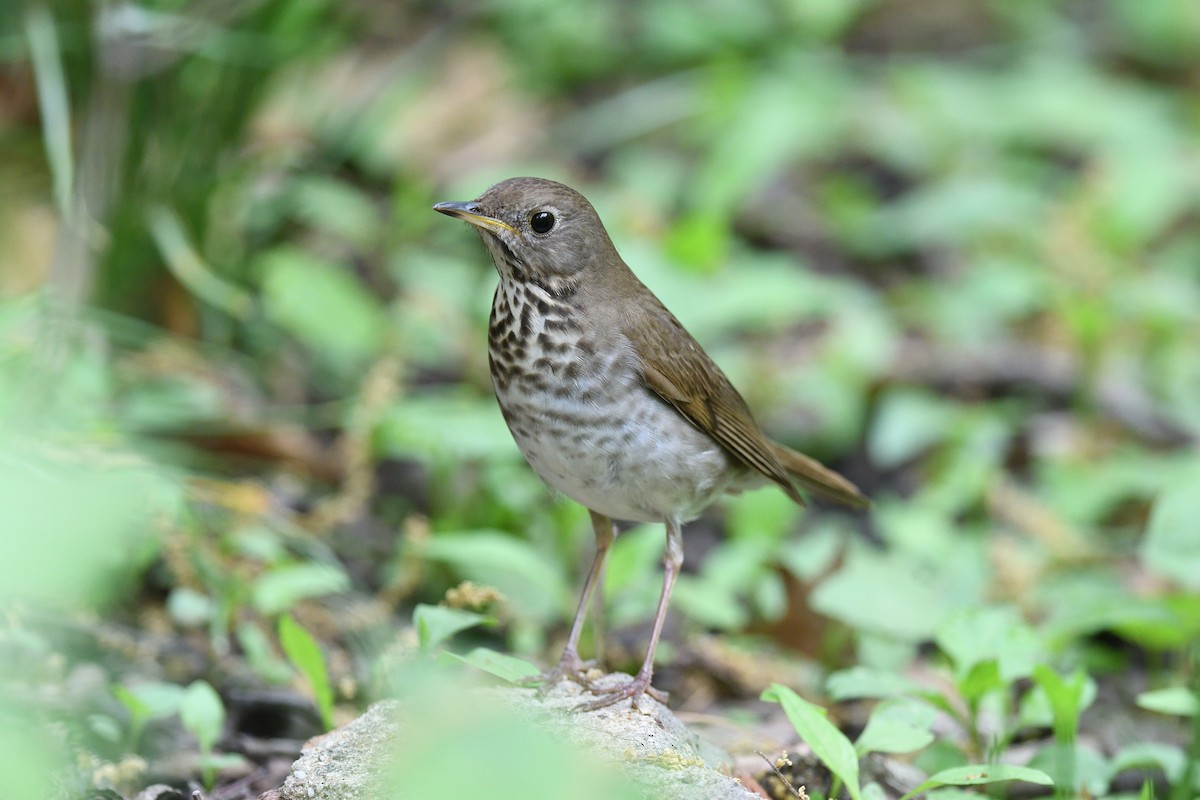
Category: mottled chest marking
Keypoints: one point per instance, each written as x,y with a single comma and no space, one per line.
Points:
535,341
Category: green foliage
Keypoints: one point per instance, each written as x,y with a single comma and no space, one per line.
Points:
501,665
980,774
827,742
203,714
146,702
950,248
305,655
281,587
436,624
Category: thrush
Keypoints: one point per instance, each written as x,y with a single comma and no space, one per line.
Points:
609,398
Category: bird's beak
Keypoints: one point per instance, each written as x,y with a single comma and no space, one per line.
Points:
469,212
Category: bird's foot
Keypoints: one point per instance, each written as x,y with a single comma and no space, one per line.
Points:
633,691
571,667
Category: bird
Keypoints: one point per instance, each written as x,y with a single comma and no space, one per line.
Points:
610,399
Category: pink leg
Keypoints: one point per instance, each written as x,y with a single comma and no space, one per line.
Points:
640,685
570,665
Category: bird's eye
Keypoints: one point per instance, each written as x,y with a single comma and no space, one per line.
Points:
542,222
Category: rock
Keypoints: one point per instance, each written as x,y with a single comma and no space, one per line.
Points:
651,747
348,762
656,750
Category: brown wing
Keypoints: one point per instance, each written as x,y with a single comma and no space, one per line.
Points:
676,368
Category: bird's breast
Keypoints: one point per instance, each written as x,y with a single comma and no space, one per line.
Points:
580,413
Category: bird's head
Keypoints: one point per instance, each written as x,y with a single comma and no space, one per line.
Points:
538,231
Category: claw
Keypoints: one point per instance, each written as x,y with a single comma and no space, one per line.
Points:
633,691
571,668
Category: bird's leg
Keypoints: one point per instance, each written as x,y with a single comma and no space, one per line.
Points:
640,685
571,666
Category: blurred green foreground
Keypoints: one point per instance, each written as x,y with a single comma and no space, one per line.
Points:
950,247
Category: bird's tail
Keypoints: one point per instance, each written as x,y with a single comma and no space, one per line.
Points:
813,476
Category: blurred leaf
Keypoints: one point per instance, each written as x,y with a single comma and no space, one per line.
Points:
436,624
104,509
519,570
171,403
827,742
634,561
280,588
30,761
979,774
502,665
1177,700
864,682
322,306
444,426
979,681
710,604
1172,543
305,655
699,241
1035,709
907,423
1074,766
760,515
1066,698
1142,755
151,700
896,726
187,265
260,653
189,607
882,594
335,206
812,554
202,713
976,635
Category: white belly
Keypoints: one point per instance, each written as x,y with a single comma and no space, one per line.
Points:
632,458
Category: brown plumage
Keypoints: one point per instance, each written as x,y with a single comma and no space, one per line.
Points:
608,396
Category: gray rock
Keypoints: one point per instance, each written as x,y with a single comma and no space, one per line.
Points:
659,755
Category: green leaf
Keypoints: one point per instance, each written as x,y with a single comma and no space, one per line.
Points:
710,603
908,423
1177,700
896,726
978,774
828,743
760,515
442,425
865,682
337,207
202,713
282,587
302,650
522,572
1172,544
1169,758
502,665
259,652
189,607
152,700
103,508
976,635
979,681
436,624
323,306
882,593
1066,699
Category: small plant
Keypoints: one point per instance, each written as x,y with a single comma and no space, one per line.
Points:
203,714
304,654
